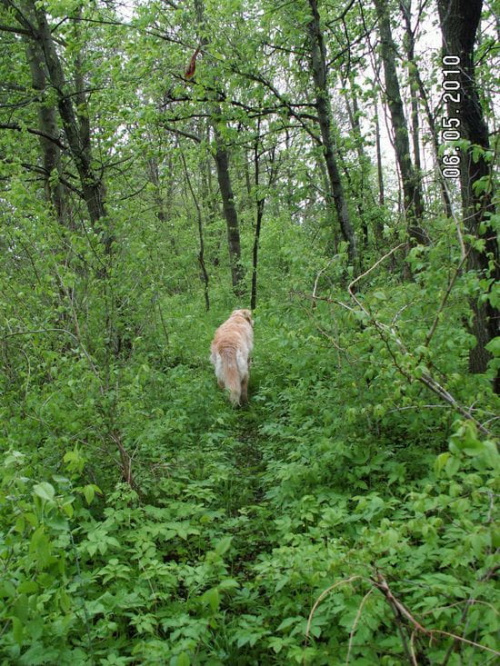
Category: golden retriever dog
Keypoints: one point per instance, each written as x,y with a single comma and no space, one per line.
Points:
231,349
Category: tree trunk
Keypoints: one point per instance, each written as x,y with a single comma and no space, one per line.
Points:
445,197
260,201
77,135
201,253
323,107
47,122
221,156
459,23
411,189
409,44
363,192
378,147
230,213
255,252
417,83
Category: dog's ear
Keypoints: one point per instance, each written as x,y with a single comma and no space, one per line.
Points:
248,315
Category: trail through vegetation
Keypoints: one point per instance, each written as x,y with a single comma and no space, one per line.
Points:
333,167
233,523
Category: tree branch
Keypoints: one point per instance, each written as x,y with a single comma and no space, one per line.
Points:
17,128
387,334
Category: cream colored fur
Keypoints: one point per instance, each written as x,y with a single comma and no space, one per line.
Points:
231,349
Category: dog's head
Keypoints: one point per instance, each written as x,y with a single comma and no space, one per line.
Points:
247,314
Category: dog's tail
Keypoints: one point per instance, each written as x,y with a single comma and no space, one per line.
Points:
230,375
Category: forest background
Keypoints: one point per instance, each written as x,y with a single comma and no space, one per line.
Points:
333,165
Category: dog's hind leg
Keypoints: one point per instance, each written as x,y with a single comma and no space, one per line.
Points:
244,390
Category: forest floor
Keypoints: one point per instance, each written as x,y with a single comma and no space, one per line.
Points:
290,531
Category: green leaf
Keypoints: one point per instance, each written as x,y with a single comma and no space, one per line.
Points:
17,630
89,493
183,660
7,589
212,598
45,491
290,621
493,346
452,466
440,462
223,545
40,547
27,587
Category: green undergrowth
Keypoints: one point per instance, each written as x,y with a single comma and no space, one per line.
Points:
347,516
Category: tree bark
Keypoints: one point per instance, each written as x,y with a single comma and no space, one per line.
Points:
221,156
233,228
459,23
363,191
201,253
47,122
412,194
323,107
409,43
431,122
260,201
77,133
417,83
378,148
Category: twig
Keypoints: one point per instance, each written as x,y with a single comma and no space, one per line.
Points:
320,273
57,330
400,611
381,584
441,307
355,623
18,128
322,298
324,594
465,640
360,277
425,378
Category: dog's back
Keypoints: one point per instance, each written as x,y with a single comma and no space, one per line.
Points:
231,348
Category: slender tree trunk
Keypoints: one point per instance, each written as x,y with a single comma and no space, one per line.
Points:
378,148
459,23
260,201
409,44
363,192
255,252
412,194
221,156
162,209
47,122
230,213
417,83
323,107
445,197
78,136
56,193
201,253
378,226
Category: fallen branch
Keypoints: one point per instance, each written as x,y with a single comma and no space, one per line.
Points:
388,334
381,584
401,612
